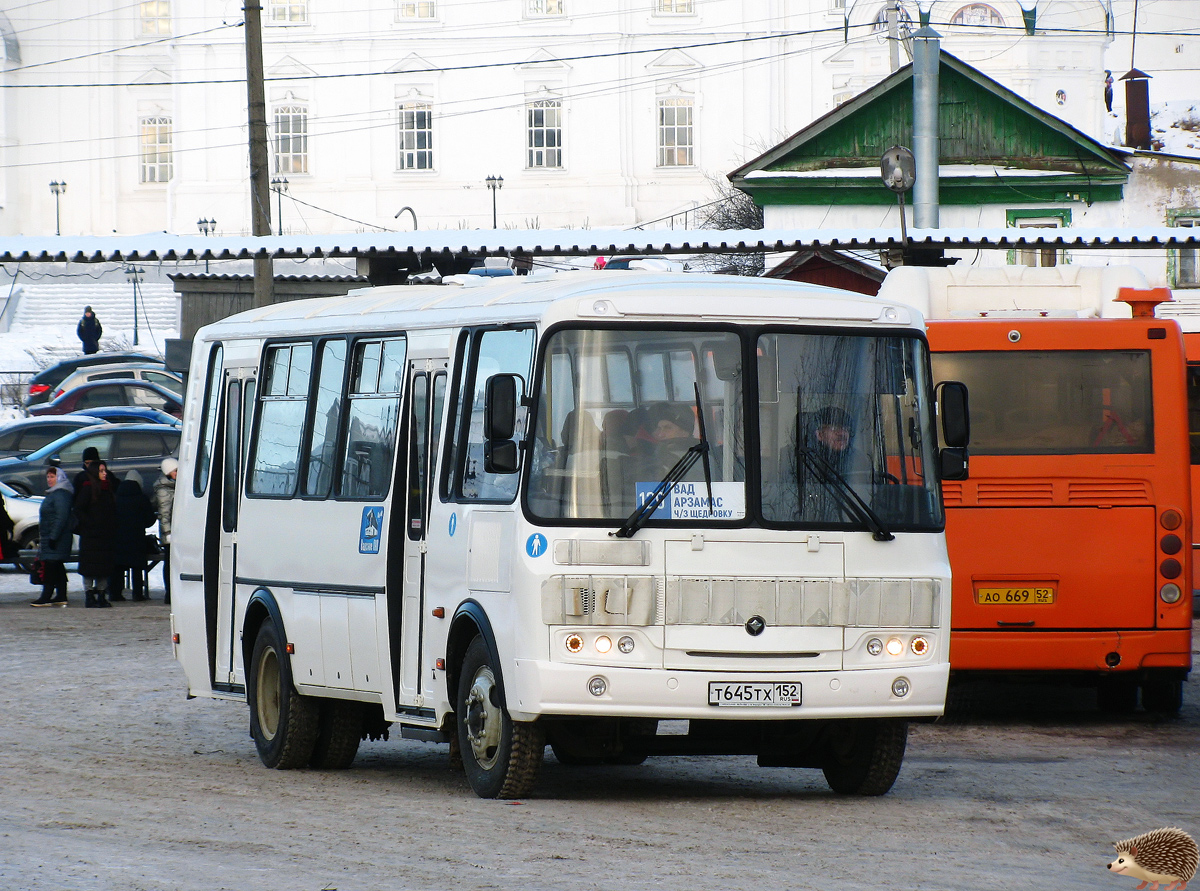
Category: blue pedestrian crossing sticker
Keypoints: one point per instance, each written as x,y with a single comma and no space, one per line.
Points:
371,531
535,545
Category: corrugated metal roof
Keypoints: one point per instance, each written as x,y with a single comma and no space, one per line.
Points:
567,242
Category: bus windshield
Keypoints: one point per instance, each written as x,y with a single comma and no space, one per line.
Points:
1055,402
842,423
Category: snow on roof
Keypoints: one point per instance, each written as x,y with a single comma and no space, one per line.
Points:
564,242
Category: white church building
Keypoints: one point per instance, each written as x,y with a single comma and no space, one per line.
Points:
130,117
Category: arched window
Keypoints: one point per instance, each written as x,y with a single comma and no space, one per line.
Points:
977,14
881,21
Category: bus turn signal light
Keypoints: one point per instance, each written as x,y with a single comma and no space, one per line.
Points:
1170,568
1171,519
919,646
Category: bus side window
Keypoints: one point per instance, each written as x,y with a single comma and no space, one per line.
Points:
508,351
322,441
1193,398
284,398
372,414
208,432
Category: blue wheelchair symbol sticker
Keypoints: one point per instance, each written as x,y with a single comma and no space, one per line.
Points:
453,523
535,545
371,531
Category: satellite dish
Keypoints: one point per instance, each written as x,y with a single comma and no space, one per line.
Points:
898,169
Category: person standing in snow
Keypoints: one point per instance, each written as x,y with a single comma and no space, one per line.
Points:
89,331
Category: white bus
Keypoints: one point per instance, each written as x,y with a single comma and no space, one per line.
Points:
619,514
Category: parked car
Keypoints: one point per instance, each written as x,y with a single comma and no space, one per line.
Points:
124,447
126,414
44,382
155,374
23,510
105,393
29,435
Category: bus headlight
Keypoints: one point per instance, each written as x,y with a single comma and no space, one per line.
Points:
625,644
603,644
874,646
895,646
1170,593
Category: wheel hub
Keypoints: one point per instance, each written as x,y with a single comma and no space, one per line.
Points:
483,719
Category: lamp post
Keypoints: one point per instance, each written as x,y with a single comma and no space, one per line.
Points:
57,188
134,274
495,183
206,226
279,185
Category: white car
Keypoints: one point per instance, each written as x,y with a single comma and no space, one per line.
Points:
154,374
24,512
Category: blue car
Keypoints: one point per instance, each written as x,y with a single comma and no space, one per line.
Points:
127,414
123,447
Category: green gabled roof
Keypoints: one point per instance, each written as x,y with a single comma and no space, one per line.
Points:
980,123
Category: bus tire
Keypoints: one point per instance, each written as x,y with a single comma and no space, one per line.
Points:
283,723
339,731
501,757
1162,695
864,756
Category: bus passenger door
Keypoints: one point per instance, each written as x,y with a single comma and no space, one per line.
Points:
427,389
238,408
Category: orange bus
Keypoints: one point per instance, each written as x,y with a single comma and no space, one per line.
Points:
1070,543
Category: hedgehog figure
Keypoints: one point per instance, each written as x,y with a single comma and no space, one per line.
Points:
1164,856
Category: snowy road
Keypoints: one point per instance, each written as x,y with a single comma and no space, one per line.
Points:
111,779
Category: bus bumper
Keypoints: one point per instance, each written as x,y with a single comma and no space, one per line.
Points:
550,688
1070,650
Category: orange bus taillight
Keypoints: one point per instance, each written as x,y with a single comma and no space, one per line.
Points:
1170,568
1171,519
1170,544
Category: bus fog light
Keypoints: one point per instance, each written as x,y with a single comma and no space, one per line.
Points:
574,643
603,644
625,644
597,686
900,688
874,646
1170,593
919,646
895,646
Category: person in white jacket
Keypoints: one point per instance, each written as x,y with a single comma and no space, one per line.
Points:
164,500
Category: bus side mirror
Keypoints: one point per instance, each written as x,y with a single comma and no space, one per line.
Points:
500,407
954,415
500,456
499,424
954,464
955,418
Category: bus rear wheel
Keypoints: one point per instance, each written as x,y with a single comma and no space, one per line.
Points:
1162,695
501,757
863,757
339,731
283,723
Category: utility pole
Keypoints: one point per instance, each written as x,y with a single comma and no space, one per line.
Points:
893,26
260,156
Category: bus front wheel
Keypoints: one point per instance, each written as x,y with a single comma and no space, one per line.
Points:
284,724
1162,695
864,756
501,757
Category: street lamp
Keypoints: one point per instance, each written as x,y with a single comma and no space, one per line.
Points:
280,185
495,183
57,188
134,274
206,226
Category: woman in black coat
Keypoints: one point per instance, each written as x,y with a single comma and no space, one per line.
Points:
96,512
134,514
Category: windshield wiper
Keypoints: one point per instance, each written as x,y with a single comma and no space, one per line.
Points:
849,500
678,471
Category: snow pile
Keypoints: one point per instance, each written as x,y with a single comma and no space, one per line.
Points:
1175,127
